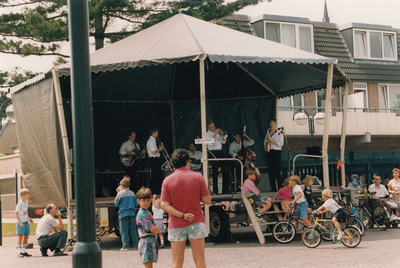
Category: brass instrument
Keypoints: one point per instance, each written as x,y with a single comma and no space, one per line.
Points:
267,146
223,134
167,166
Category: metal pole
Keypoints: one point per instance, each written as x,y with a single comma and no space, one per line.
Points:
311,129
63,128
87,252
204,158
343,137
325,137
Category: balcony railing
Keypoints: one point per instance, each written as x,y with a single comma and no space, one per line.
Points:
334,110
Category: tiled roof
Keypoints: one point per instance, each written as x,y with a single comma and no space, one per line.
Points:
238,22
329,42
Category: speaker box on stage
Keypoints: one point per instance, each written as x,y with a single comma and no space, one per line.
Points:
314,150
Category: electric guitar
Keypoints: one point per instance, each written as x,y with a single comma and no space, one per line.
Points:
129,160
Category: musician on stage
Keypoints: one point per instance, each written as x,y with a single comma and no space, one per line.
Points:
276,139
195,157
131,148
153,151
215,151
236,146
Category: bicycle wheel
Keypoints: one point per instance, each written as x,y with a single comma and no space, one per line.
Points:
351,238
284,231
383,223
311,237
357,222
330,227
366,219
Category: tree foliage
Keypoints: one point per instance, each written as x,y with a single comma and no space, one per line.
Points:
40,26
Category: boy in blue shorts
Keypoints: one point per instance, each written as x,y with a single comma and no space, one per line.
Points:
23,220
299,200
148,246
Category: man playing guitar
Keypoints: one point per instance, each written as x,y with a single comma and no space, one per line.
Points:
129,153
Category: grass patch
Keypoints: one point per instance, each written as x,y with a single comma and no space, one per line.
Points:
9,229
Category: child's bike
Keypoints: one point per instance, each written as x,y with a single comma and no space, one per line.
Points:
312,236
284,230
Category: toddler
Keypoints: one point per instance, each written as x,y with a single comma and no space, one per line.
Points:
284,195
158,213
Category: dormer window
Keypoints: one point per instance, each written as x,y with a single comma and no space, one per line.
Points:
370,44
294,35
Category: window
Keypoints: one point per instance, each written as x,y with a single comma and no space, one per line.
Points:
389,97
286,104
320,97
362,88
294,35
370,44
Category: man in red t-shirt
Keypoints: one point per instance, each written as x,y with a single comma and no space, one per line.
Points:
181,195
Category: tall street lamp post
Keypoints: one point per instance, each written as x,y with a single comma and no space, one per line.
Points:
301,116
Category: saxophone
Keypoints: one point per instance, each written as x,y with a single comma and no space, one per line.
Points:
267,146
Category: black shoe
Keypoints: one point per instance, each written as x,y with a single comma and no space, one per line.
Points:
44,252
59,253
26,254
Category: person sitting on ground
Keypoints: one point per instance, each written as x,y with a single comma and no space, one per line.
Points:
158,214
54,241
250,187
307,183
299,201
337,211
284,195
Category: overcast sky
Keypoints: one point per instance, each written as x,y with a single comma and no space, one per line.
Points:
383,12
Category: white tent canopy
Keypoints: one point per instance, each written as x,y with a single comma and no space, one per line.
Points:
184,38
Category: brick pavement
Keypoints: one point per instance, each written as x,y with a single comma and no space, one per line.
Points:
377,249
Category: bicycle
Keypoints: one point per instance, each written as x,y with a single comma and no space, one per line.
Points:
312,236
353,214
284,231
372,213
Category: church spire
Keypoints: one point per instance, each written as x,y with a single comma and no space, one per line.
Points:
326,16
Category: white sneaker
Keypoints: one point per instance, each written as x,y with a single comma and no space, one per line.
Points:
260,219
124,249
339,237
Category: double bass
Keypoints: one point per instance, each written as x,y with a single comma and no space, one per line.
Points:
248,160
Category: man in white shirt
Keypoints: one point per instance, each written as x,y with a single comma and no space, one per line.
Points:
275,139
130,153
54,241
195,157
236,146
153,152
379,189
215,151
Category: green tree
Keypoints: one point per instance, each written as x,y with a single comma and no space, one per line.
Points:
3,98
41,26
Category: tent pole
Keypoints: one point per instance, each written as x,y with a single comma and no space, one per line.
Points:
64,137
343,138
172,111
325,137
203,135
